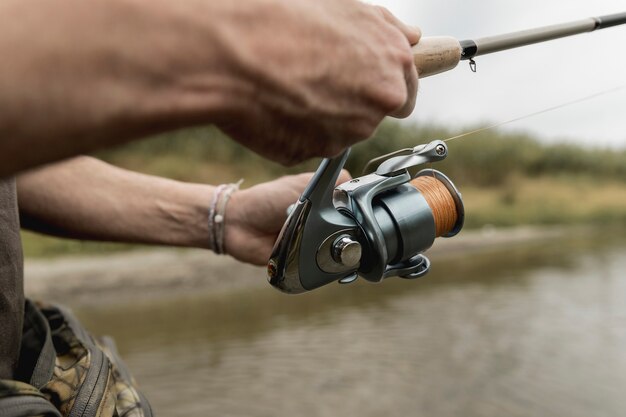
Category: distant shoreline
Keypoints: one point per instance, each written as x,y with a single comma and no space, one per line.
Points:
162,273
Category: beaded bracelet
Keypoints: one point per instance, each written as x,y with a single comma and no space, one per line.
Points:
217,213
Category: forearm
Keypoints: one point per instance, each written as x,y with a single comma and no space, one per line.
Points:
88,199
78,74
289,79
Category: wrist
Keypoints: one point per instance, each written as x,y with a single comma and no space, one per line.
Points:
235,223
217,215
189,217
243,238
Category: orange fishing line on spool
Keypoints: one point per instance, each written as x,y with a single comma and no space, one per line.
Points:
440,201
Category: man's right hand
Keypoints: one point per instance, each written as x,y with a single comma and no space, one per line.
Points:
321,75
290,79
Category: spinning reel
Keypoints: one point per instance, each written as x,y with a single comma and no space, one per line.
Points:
375,226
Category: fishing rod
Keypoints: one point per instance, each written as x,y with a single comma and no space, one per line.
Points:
378,225
437,54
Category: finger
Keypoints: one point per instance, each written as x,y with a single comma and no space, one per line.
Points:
419,34
344,176
302,180
411,78
412,33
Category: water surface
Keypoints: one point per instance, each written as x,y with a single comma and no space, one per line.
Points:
535,330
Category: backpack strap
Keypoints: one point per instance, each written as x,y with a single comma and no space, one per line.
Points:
65,371
18,399
37,354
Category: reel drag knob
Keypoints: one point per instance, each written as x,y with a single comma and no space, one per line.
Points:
347,251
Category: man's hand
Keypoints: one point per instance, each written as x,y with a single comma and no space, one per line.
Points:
324,74
290,79
255,216
124,206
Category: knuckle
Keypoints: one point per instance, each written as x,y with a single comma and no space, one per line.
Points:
384,12
403,112
394,99
418,31
404,56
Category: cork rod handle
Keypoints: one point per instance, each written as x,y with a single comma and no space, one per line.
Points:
436,54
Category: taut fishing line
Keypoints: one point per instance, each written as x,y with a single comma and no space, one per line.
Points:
536,113
439,197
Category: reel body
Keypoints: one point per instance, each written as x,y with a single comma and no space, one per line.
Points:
375,226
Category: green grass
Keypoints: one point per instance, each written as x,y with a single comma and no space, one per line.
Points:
39,246
506,179
546,200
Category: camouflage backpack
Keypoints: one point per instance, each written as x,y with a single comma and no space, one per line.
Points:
64,371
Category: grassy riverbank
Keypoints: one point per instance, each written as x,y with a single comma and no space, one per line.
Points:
506,179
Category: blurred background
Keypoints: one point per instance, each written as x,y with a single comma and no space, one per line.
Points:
523,80
523,314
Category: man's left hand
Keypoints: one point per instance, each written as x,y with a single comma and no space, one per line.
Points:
255,216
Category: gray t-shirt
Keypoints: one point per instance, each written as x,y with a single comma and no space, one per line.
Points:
11,280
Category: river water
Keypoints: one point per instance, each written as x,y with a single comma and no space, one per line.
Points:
534,330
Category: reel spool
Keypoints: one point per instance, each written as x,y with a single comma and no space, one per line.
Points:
375,226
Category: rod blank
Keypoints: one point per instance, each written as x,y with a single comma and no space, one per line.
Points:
611,20
490,44
434,55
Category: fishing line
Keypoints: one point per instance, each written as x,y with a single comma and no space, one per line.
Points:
440,201
438,196
536,113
